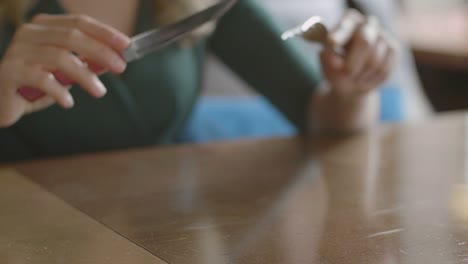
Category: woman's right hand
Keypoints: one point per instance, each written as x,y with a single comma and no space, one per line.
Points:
51,43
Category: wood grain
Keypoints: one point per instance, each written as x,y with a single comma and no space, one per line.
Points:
37,227
394,195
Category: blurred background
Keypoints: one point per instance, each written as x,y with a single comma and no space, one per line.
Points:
437,31
430,77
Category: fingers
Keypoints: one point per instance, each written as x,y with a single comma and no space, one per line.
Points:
346,28
42,103
360,36
333,69
56,59
374,63
362,47
379,65
48,53
369,54
331,62
99,31
384,70
44,81
76,41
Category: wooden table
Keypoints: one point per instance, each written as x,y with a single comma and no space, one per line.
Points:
394,195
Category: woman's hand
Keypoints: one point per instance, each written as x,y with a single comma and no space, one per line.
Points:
369,55
49,44
349,103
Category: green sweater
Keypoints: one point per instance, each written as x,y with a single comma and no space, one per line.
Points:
150,102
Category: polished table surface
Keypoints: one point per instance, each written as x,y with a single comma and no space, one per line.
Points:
397,194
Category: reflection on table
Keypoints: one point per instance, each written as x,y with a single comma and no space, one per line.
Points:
393,195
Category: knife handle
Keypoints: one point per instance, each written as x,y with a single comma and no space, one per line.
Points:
32,94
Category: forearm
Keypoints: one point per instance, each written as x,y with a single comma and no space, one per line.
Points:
335,114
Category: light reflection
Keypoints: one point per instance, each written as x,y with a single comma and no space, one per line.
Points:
427,170
187,195
460,193
209,246
362,222
387,197
372,158
304,221
296,200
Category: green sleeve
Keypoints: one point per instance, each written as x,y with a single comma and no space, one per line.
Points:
248,40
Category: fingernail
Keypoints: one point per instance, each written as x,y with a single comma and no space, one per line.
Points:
116,40
96,68
101,90
62,78
119,64
338,38
120,41
69,102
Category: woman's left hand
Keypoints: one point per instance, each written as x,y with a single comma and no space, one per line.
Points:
351,103
368,60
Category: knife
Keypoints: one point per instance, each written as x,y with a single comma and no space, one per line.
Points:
147,42
314,30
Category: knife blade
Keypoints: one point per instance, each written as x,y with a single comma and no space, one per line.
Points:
148,42
156,39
